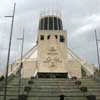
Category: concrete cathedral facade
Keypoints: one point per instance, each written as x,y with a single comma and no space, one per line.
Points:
52,53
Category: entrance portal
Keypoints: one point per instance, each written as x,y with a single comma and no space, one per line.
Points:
52,75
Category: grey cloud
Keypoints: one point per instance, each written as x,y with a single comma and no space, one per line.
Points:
80,20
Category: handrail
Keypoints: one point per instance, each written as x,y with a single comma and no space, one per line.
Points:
17,64
35,71
28,52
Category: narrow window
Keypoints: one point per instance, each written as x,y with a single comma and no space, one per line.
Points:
46,23
42,37
55,23
48,37
56,36
60,24
50,23
62,38
41,25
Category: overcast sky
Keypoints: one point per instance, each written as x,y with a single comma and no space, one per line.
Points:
80,18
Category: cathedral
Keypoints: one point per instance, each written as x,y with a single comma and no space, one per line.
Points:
54,58
50,70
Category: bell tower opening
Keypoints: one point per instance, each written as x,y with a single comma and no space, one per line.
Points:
50,23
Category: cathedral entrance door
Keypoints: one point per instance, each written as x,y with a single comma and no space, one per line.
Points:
52,75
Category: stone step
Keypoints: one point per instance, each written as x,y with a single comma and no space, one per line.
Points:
44,98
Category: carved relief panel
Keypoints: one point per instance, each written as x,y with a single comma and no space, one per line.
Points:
53,58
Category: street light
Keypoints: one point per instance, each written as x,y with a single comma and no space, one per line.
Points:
8,56
21,64
98,56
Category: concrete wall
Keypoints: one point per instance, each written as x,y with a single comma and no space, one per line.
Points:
53,55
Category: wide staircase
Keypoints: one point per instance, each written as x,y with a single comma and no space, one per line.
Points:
51,89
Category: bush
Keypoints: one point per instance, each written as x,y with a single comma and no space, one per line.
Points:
1,78
27,89
83,89
30,82
78,83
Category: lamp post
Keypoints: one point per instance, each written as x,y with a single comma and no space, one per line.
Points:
21,64
98,56
8,56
